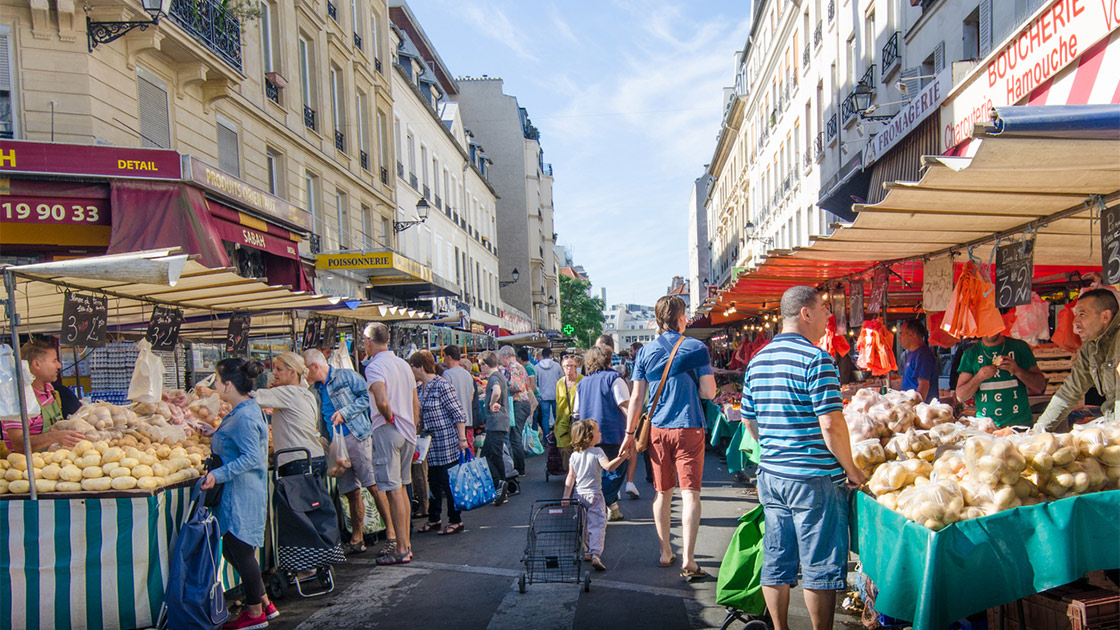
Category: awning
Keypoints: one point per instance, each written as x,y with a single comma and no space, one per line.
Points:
851,189
151,215
390,273
374,312
1089,122
538,339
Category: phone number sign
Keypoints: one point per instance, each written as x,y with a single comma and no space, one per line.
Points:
45,210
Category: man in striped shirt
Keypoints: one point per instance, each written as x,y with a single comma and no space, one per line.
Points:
791,390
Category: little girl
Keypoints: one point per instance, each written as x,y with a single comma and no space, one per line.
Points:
585,474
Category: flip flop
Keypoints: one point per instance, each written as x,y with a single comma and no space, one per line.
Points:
695,576
353,548
598,563
394,558
427,527
665,565
453,528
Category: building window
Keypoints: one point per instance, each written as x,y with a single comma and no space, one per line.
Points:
363,129
869,40
338,108
342,215
411,158
311,186
374,37
229,154
367,226
424,166
8,115
307,78
274,162
971,35
382,141
356,23
155,121
269,29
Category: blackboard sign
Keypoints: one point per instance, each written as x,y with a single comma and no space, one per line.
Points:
237,336
311,332
855,303
879,281
1014,270
1110,245
329,337
83,320
163,328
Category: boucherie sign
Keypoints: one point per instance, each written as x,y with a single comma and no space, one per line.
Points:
1056,36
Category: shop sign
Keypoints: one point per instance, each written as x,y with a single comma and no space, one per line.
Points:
84,318
48,211
53,158
228,187
937,283
516,324
918,109
163,328
237,335
1056,37
405,269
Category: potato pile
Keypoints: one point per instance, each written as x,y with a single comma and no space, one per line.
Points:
101,466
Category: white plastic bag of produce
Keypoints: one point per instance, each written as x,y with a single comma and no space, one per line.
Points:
9,404
147,377
338,456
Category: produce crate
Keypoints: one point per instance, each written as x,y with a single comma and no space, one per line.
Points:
1070,607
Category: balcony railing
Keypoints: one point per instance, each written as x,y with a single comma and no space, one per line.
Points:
805,57
377,65
818,146
363,159
208,21
891,57
868,77
339,140
439,202
412,182
384,176
357,41
832,128
272,91
332,10
831,10
315,243
926,4
818,34
309,117
848,107
807,160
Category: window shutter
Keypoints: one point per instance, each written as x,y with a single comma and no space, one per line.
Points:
5,65
228,151
155,127
939,58
913,85
985,27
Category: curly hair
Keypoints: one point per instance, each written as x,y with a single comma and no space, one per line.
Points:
583,433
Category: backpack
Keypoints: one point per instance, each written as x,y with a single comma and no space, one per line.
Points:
194,598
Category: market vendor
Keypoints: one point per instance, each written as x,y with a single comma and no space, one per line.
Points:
998,371
920,372
1095,321
42,360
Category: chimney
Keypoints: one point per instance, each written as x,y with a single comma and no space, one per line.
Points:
604,294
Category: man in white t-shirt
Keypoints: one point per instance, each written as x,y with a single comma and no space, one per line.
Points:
394,408
463,383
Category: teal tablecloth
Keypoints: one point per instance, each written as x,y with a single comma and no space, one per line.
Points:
935,578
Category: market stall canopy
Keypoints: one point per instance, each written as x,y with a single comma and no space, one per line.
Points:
206,296
537,339
375,312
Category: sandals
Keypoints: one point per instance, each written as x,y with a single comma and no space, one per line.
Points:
452,528
427,527
394,558
390,547
352,548
664,565
695,576
597,563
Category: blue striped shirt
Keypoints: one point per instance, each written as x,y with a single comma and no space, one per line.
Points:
788,384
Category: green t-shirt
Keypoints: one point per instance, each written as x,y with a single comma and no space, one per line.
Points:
1003,398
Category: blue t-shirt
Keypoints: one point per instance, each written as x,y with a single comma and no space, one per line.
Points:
789,384
326,407
921,364
679,406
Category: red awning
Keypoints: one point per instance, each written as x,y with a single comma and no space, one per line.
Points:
154,215
243,235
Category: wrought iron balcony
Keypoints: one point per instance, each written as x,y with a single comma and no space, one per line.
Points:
309,117
818,145
927,4
848,107
412,182
439,202
357,41
339,140
377,65
363,159
805,57
272,91
384,176
868,77
807,160
315,243
832,128
891,56
332,10
210,23
831,10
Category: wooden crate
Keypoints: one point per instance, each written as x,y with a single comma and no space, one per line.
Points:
1070,607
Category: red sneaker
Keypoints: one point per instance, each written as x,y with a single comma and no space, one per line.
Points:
246,622
270,611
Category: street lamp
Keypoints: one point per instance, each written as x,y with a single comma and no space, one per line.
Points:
863,95
105,32
422,209
505,283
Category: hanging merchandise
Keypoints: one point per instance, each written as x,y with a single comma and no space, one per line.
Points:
937,336
833,343
972,310
146,385
876,349
840,309
1063,335
9,402
1032,321
855,303
880,278
937,283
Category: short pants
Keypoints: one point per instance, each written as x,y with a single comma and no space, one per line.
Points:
392,458
806,524
360,472
677,456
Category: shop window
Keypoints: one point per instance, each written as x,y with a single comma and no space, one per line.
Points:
8,114
155,121
971,35
229,155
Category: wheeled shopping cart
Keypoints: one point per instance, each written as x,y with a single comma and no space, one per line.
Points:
555,544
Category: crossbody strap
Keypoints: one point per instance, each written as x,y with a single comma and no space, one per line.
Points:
664,375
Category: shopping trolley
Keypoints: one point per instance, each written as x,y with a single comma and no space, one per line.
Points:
554,548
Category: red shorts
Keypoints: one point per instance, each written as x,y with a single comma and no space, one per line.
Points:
678,458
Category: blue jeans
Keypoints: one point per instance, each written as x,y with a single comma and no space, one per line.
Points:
612,479
806,524
548,415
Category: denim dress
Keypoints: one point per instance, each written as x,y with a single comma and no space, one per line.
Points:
242,443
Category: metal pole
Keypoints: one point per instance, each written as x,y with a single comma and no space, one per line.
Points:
13,315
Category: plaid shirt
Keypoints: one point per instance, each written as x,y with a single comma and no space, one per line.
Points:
348,394
440,410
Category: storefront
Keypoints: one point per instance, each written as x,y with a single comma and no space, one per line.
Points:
388,276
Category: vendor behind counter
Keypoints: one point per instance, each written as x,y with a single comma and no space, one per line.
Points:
42,360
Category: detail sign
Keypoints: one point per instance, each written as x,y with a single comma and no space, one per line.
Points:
1014,271
52,158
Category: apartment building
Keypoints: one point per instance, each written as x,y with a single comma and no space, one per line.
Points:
529,278
699,246
281,118
629,323
440,163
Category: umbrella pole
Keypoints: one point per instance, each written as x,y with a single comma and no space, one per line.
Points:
13,315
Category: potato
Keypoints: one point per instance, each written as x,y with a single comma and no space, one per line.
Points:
123,483
133,453
163,451
159,469
120,471
101,446
68,486
70,473
50,471
1110,455
81,447
20,486
18,461
112,454
129,462
178,451
5,464
141,471
176,477
91,458
14,474
3,486
97,484
108,467
1064,456
37,461
60,455
147,459
1090,442
92,472
45,485
147,482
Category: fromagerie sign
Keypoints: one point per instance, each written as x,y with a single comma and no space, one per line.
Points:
1057,35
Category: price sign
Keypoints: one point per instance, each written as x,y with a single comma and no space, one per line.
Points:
1110,245
879,281
855,303
329,336
163,328
311,331
840,309
237,336
83,320
1014,270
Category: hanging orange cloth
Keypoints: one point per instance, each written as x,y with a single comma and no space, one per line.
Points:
1063,335
937,336
832,343
876,348
972,309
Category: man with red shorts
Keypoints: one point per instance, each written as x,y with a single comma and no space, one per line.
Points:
677,437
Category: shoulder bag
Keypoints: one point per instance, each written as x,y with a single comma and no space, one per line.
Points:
645,423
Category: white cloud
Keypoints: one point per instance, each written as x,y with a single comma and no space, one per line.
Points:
492,22
561,25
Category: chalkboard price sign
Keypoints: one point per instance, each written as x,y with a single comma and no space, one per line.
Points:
237,336
163,328
1014,271
1110,245
311,332
83,320
855,303
329,336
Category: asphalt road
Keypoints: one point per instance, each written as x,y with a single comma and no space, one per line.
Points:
469,581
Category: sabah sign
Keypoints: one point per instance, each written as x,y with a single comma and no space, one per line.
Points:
1014,271
1056,37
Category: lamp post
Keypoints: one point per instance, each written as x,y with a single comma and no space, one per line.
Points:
505,283
105,32
422,209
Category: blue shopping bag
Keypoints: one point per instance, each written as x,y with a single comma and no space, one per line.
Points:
531,439
471,486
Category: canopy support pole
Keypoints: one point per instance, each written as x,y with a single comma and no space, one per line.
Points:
13,314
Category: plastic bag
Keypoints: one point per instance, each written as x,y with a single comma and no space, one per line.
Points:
863,400
933,414
911,445
935,505
146,385
876,349
993,460
862,427
471,485
9,404
1032,321
531,440
338,457
893,476
1063,336
868,454
972,310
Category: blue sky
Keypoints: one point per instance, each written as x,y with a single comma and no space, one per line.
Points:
627,96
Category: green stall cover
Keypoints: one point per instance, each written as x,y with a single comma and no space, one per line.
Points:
935,578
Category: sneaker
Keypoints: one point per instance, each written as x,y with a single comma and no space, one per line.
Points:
270,611
614,513
632,490
246,622
513,488
502,496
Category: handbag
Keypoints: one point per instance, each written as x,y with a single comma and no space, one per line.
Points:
645,422
471,485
